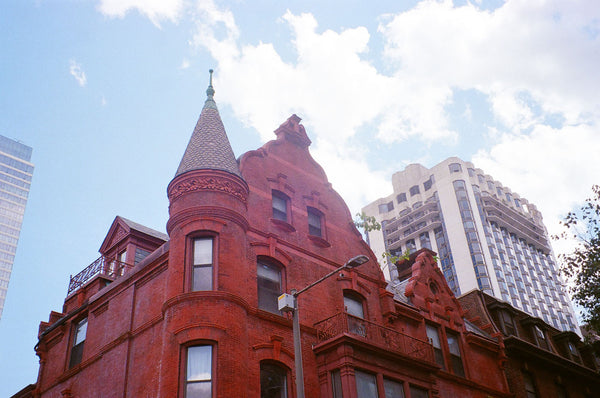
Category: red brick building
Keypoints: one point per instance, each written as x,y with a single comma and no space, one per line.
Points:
194,313
541,360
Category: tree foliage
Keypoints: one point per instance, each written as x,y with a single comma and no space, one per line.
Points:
366,223
582,265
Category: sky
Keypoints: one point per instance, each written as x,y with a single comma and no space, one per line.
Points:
107,92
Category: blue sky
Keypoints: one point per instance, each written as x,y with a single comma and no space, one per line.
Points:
107,93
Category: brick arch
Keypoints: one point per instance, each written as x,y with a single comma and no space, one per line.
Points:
275,352
200,331
269,249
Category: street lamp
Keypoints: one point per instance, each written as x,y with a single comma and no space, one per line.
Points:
289,303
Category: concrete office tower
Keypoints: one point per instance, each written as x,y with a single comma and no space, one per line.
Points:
15,179
486,236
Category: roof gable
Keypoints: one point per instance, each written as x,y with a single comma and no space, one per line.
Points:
428,290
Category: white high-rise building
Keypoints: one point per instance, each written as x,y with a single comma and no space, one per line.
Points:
15,179
486,236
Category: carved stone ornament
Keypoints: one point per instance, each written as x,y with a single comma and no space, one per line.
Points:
209,183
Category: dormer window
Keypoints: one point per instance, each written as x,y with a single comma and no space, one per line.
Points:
507,323
573,352
540,337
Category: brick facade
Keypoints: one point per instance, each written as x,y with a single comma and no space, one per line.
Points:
541,360
141,323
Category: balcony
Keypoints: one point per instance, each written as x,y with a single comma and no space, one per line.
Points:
108,268
374,334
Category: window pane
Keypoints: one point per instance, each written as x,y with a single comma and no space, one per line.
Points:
269,286
273,381
279,207
433,336
203,251
336,381
314,222
202,278
354,306
199,363
366,385
80,332
393,389
416,392
199,390
453,344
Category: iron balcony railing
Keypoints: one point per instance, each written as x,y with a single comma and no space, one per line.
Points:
373,333
109,268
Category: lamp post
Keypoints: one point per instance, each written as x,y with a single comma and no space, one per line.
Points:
289,302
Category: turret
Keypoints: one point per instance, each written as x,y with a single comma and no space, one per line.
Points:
208,200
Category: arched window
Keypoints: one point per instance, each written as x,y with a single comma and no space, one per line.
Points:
198,379
273,381
269,284
353,305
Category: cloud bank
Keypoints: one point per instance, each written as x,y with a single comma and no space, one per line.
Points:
533,63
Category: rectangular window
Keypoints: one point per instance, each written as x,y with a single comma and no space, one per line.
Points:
573,351
140,254
455,167
336,384
202,270
508,323
122,256
455,357
366,384
78,343
414,190
427,184
199,372
530,391
433,335
393,389
540,337
280,206
401,197
269,285
354,306
314,222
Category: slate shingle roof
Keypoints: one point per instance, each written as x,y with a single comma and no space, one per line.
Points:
144,229
209,147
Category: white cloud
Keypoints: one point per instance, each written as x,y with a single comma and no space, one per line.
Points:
531,60
185,64
552,168
155,10
538,47
77,72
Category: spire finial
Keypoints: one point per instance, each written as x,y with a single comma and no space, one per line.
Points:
210,91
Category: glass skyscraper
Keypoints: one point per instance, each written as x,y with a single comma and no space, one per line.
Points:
15,179
486,236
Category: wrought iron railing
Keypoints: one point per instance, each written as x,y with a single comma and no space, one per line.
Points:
379,335
102,266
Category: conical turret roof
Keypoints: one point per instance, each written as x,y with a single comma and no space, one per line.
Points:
209,147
